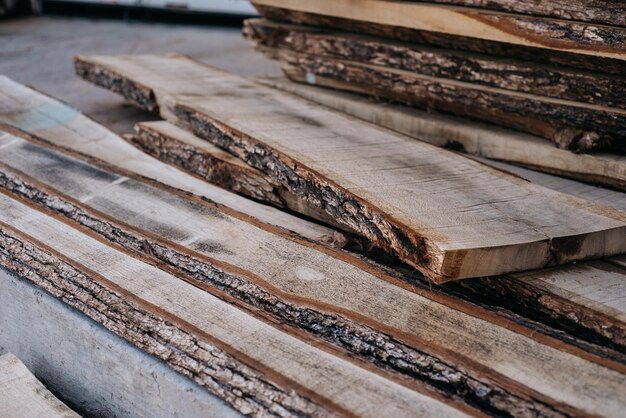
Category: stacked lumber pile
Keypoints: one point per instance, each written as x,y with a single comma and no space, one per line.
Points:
552,73
293,260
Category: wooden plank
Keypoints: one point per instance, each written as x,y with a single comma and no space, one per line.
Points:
467,136
255,367
570,125
50,119
504,73
470,222
23,396
182,149
610,12
324,293
555,34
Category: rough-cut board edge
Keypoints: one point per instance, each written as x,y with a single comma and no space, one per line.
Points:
463,135
492,392
200,158
150,248
489,47
167,337
378,227
23,396
553,34
169,175
569,125
437,129
383,273
608,12
505,73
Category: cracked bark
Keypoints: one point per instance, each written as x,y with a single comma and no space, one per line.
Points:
505,73
579,129
363,342
244,388
443,40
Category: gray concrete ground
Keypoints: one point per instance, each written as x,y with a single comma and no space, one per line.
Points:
38,51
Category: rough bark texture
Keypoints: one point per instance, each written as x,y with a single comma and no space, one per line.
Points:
244,388
610,12
532,54
579,129
362,342
510,74
242,180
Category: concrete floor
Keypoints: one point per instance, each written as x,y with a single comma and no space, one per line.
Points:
38,51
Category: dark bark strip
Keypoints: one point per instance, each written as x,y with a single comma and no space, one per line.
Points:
500,49
510,74
243,180
571,127
242,387
609,12
365,343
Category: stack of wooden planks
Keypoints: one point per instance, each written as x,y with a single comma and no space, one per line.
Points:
284,256
552,75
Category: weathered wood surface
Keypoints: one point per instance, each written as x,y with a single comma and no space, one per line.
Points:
257,368
555,34
470,222
505,73
610,12
470,137
182,149
324,293
23,396
50,119
570,125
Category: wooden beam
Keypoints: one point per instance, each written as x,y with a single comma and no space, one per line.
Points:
530,31
467,136
609,12
38,114
255,367
503,73
321,293
471,222
23,396
200,158
570,125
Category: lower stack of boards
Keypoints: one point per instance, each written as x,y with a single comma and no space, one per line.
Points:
258,253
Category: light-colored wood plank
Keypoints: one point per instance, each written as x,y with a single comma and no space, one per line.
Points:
282,276
447,216
559,35
41,115
257,368
467,136
184,150
23,396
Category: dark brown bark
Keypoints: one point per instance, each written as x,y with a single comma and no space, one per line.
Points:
244,388
501,49
570,127
609,12
543,80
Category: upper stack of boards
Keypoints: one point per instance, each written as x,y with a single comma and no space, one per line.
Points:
266,242
553,74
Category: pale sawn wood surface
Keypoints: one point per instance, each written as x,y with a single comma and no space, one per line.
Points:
461,219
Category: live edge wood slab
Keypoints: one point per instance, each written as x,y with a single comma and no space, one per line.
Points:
413,347
447,216
472,23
